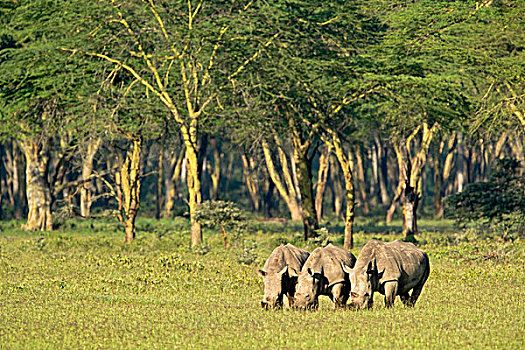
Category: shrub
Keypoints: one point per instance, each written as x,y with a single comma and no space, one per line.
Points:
498,202
223,215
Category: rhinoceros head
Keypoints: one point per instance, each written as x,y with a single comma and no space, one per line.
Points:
274,284
309,286
364,283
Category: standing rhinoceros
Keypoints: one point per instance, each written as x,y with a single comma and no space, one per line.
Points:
280,274
323,274
389,268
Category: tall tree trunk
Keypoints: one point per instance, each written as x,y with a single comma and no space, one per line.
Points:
410,204
86,191
383,173
413,193
499,151
160,178
345,161
250,179
215,172
401,181
303,166
304,179
172,180
194,191
13,177
129,183
288,197
289,177
268,189
361,181
448,165
438,180
18,184
322,178
460,164
38,190
229,171
374,176
336,187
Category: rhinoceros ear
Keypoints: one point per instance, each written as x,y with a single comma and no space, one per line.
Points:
346,268
261,273
283,271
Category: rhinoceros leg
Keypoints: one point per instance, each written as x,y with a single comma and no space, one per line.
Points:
415,293
417,289
339,297
390,293
405,298
291,300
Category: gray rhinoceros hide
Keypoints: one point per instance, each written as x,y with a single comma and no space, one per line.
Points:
391,269
323,274
280,274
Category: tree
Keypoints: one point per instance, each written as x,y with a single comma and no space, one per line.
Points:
185,61
310,59
36,86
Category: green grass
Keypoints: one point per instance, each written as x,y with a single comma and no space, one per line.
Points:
82,287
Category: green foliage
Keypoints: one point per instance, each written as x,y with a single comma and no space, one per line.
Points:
223,215
42,90
87,289
499,201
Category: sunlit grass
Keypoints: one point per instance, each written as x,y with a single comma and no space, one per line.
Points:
80,289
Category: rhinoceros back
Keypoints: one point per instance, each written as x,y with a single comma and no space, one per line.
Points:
399,261
285,255
328,260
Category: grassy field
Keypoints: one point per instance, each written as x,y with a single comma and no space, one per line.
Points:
82,287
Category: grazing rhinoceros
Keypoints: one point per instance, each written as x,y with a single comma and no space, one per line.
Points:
389,268
323,274
280,274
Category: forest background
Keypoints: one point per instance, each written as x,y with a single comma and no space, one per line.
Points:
301,110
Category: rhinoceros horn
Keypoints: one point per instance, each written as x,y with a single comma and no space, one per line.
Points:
346,268
292,272
283,271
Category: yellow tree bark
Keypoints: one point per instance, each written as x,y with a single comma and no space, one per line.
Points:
400,184
336,187
194,62
287,192
361,181
249,175
194,191
86,192
172,181
322,179
38,190
215,171
129,181
412,190
160,178
347,166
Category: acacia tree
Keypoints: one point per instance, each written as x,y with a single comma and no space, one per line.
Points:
428,75
184,54
36,85
297,75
